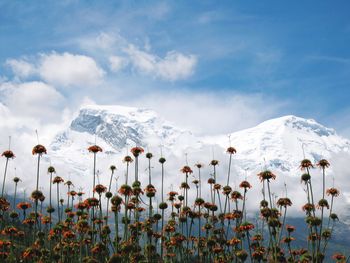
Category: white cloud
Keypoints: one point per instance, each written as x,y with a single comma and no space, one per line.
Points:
211,113
174,66
122,53
63,69
70,70
35,100
105,41
20,67
116,63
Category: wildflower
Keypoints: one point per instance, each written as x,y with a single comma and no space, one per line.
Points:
16,179
333,192
128,159
24,205
326,234
92,202
82,205
245,185
264,203
100,189
308,207
246,226
95,149
57,180
313,220
274,222
234,241
242,255
231,150
36,195
306,164
313,237
8,154
266,175
339,257
39,149
199,201
214,162
211,181
323,203
51,170
284,202
226,190
334,216
4,204
199,165
217,186
136,151
186,170
288,239
258,254
305,177
257,237
235,195
323,164
150,190
163,206
290,228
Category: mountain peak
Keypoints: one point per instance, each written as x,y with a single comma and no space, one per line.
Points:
299,124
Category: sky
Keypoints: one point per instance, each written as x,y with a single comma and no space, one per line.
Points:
210,66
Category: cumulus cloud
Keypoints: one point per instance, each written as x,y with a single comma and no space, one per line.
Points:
174,66
70,70
61,69
35,100
20,67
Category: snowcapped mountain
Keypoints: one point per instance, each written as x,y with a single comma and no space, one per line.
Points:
282,142
278,143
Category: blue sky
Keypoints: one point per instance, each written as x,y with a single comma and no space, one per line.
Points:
249,60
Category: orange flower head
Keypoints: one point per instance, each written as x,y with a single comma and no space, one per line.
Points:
128,159
95,149
8,154
323,164
306,164
245,185
333,192
266,175
57,180
100,189
24,205
186,170
39,149
231,150
284,202
136,151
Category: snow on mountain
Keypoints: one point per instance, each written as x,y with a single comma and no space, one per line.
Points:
277,144
115,128
281,143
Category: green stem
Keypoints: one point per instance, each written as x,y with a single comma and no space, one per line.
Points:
5,172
